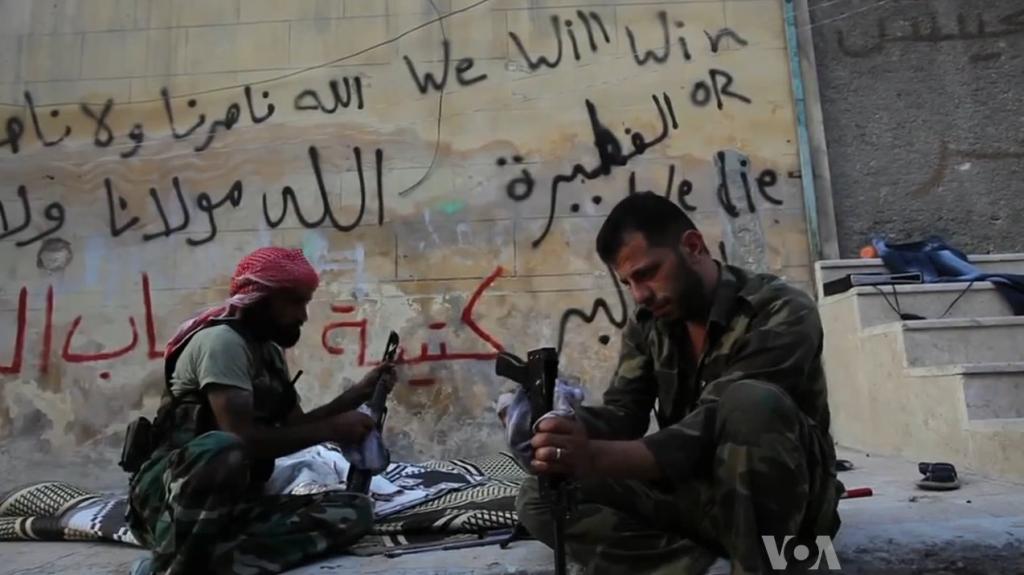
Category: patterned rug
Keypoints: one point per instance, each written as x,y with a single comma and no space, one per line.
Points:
467,508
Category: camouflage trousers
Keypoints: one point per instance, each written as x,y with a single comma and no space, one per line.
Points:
198,511
770,473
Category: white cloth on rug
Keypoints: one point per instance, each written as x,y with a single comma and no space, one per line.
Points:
324,468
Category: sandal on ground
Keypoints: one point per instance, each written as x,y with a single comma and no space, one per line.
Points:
938,476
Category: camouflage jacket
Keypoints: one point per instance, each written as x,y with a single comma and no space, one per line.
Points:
759,328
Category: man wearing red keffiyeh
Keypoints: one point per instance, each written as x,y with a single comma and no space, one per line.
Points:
230,408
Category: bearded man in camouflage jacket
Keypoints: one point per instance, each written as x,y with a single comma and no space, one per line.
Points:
730,363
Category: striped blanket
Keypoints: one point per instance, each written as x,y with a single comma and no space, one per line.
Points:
466,498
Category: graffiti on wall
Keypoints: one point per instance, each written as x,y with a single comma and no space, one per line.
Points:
925,28
488,347
157,180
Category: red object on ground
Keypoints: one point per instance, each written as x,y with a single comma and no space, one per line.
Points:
868,252
857,492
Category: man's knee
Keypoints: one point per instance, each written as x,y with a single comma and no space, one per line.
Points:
350,512
534,512
750,409
218,460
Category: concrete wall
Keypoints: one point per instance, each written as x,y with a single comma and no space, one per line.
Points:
154,143
924,114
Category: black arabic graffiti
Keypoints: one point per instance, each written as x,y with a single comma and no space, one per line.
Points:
104,136
53,212
14,128
121,220
166,96
258,118
204,203
599,305
231,116
39,130
288,196
927,30
310,99
609,151
107,137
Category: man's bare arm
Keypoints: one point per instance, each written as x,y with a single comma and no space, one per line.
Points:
232,408
344,402
350,399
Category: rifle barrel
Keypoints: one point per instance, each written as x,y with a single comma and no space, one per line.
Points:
560,559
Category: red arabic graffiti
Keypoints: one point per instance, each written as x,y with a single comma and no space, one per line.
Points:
19,339
67,354
70,355
44,359
425,355
152,352
361,324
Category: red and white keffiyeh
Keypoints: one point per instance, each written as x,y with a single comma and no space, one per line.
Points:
258,274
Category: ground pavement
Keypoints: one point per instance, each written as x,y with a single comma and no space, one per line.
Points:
899,530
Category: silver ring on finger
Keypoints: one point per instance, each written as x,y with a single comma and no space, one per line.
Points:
558,453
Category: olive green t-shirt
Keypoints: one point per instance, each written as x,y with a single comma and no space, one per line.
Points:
220,355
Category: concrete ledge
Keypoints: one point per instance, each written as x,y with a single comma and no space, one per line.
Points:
963,322
858,265
941,324
998,424
967,369
973,258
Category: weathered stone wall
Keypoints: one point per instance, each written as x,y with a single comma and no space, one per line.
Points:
445,166
923,104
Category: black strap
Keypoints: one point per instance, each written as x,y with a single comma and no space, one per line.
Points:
195,396
912,316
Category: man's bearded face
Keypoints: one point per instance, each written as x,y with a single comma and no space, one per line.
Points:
661,281
282,315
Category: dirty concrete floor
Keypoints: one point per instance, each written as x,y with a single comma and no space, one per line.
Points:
900,529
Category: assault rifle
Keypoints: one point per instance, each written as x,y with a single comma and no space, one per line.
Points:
358,480
537,377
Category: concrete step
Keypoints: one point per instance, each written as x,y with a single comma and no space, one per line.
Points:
875,306
992,391
958,341
827,270
1014,424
